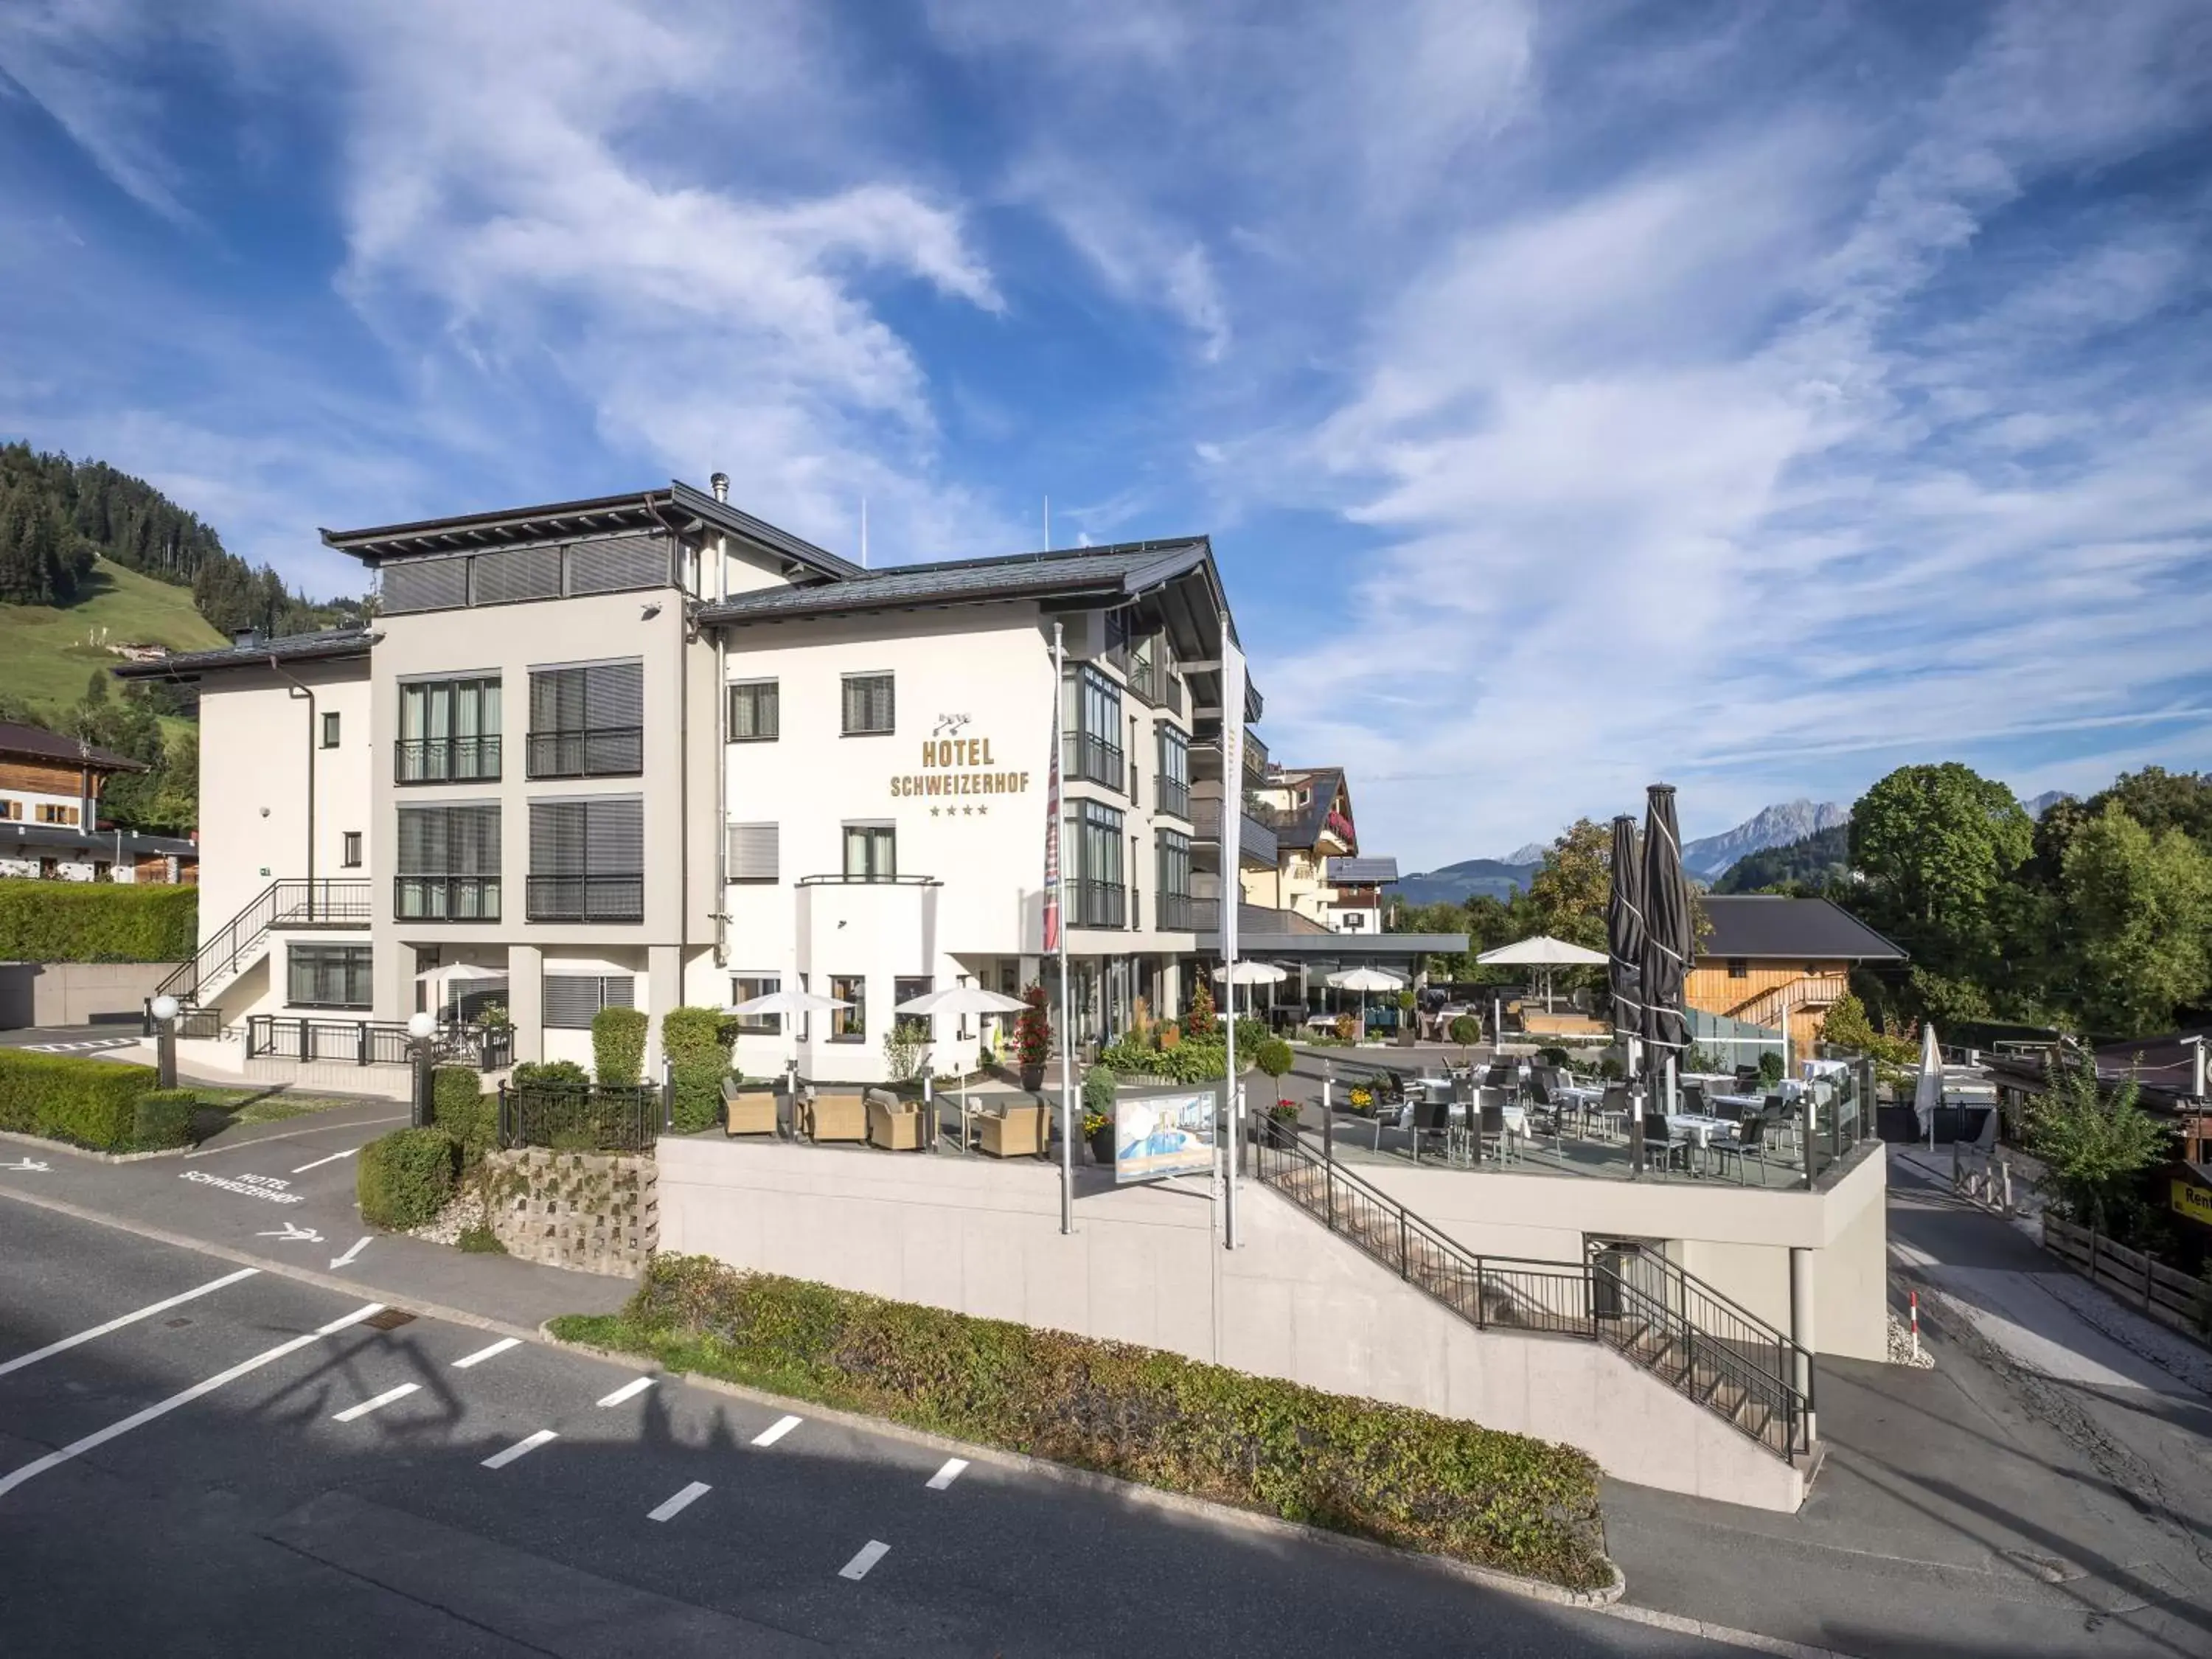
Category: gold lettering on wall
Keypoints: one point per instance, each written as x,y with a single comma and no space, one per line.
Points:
957,766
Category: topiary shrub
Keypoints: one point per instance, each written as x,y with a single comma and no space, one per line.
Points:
1099,1085
469,1116
1198,1022
697,1044
1273,1056
164,1118
1552,1056
549,1074
87,1103
1770,1068
404,1178
618,1046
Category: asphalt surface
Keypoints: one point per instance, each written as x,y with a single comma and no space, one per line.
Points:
249,1520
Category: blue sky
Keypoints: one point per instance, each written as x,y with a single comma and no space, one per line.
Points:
1754,396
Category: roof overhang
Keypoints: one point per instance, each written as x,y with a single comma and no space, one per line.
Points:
1337,946
283,651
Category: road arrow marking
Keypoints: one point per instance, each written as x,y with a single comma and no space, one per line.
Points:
333,1158
293,1234
27,1164
346,1261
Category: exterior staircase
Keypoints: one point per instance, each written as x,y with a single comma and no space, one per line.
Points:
1668,1323
244,940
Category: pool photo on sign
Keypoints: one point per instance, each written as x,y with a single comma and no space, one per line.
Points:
1168,1132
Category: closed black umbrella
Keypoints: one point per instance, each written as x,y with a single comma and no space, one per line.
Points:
1623,929
1667,937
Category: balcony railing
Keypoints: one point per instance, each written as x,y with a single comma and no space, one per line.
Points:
445,760
1179,912
602,751
1089,757
585,898
1175,796
445,898
1256,842
1097,904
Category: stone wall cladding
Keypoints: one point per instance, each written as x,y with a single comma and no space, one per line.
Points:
597,1212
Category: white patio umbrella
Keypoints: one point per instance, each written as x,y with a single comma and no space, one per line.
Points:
1248,973
960,1000
458,973
1544,952
1928,1088
787,1002
1364,979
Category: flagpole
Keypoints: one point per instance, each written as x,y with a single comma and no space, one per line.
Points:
1233,812
1066,1007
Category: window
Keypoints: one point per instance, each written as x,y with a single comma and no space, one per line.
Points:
1095,894
51,814
870,852
331,730
448,864
848,1024
587,859
743,988
571,999
449,731
328,976
754,852
1171,856
869,706
350,849
1174,771
11,808
1738,968
1094,738
587,722
905,990
754,714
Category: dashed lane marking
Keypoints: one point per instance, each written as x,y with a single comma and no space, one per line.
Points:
775,1431
183,1397
482,1354
629,1390
870,1552
671,1508
377,1404
178,1301
945,1476
522,1448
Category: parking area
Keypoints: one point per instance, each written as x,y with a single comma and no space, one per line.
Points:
196,1456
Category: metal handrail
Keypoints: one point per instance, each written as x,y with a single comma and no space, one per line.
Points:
288,900
1643,1321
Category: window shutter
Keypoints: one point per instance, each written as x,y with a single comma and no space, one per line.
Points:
556,700
557,838
426,584
615,836
614,695
520,573
618,991
754,852
617,563
571,999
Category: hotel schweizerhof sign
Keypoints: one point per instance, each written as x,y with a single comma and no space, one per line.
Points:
956,769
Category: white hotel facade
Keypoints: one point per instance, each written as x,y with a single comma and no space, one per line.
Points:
651,751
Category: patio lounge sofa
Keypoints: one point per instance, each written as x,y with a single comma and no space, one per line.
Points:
833,1117
894,1124
1015,1130
747,1111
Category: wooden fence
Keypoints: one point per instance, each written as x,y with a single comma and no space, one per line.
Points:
2166,1294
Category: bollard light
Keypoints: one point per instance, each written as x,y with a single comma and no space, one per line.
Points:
165,1008
422,1027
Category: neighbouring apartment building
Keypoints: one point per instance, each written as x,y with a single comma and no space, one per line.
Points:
648,751
50,788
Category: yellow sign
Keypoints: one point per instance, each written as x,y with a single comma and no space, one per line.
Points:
958,766
2193,1201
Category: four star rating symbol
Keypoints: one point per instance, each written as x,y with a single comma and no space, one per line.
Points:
960,812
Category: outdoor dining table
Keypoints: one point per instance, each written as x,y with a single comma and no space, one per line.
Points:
1700,1131
1587,1098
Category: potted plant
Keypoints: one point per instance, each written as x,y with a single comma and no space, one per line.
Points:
1282,1121
1033,1037
1467,1032
1409,1029
1198,1024
1098,1084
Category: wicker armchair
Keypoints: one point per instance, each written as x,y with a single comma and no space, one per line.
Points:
1013,1131
894,1124
833,1117
747,1111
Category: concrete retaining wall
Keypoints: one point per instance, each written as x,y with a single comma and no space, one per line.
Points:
981,1238
76,993
598,1212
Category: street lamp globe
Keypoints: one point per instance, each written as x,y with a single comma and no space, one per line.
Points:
165,1008
422,1027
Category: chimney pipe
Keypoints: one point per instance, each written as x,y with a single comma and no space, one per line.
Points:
721,481
245,636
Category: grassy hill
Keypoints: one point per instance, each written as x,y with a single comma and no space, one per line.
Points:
47,652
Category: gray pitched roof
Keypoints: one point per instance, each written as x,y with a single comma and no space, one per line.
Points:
330,642
1764,924
1364,872
1303,826
37,741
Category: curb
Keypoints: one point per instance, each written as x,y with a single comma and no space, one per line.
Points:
1130,1491
86,1153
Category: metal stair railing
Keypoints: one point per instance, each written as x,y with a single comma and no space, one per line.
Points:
286,903
1651,1312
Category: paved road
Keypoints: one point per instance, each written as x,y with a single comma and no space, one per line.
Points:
272,1514
72,1039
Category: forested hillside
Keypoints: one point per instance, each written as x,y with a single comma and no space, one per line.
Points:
1804,866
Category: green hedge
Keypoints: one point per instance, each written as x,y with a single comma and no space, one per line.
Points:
97,921
404,1178
1378,1471
460,1107
165,1118
618,1046
88,1103
697,1044
1186,1062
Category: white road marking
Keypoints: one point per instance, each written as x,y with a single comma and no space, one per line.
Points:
529,1443
775,1431
683,1500
293,1233
629,1390
347,1259
945,1476
870,1552
492,1352
247,1143
27,1164
381,1401
185,1397
34,1357
333,1158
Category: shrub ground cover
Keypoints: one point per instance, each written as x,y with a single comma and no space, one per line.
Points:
405,1177
1388,1472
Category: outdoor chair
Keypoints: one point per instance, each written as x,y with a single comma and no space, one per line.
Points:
1693,1099
1750,1142
1431,1123
1502,1075
1781,1114
1492,1144
894,1124
1746,1079
1727,1110
1613,1109
833,1117
1015,1130
747,1111
1660,1141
